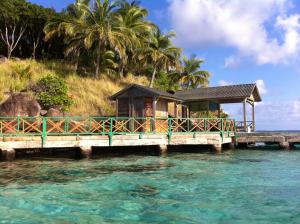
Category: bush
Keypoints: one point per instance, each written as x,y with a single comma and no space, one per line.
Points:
166,82
52,92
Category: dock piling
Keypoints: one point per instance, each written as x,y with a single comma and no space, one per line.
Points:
163,149
284,145
86,152
229,146
217,148
8,154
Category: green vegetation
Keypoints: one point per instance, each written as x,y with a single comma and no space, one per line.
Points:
96,43
191,75
51,92
89,96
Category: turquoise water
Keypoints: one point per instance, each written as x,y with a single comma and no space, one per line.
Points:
234,187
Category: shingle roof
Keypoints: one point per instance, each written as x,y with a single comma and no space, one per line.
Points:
157,92
223,94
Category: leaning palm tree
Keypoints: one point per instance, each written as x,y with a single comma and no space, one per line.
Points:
192,76
162,54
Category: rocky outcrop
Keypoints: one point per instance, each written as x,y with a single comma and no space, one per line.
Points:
3,59
53,112
20,104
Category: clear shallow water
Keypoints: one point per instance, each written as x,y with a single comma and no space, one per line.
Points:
234,187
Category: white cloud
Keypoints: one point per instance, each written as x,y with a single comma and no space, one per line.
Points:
248,26
224,83
261,86
232,62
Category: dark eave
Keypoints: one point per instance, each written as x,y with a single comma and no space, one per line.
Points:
221,94
152,91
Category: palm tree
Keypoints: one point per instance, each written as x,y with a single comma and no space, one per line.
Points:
104,31
162,54
191,75
96,26
132,18
69,25
107,63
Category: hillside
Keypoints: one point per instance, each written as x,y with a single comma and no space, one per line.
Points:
89,95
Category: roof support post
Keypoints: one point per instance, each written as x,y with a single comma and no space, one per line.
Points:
245,114
117,107
207,109
188,111
154,113
253,117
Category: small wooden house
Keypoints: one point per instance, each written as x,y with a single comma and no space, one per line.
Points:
143,102
140,101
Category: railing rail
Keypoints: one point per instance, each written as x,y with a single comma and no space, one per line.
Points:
240,126
76,125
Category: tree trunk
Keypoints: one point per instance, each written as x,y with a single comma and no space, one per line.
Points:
98,61
11,39
36,42
121,71
76,65
34,50
153,78
35,45
8,53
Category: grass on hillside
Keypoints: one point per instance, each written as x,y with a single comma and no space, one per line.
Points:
89,95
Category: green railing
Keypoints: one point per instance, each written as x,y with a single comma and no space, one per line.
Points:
56,126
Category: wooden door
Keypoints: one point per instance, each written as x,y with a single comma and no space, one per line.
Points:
123,107
138,114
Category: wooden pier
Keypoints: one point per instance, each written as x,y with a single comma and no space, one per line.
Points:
285,140
17,133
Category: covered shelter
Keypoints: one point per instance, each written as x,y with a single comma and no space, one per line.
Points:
202,100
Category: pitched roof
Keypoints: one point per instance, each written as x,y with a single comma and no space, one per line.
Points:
153,91
222,94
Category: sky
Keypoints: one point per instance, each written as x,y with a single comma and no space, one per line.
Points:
241,42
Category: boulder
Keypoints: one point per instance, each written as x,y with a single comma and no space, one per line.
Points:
44,112
53,112
20,104
3,59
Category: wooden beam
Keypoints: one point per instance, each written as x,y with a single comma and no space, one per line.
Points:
154,107
253,117
245,114
117,107
154,112
207,109
131,106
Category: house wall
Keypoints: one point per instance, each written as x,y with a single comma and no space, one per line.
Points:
161,108
174,109
135,103
123,107
148,107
